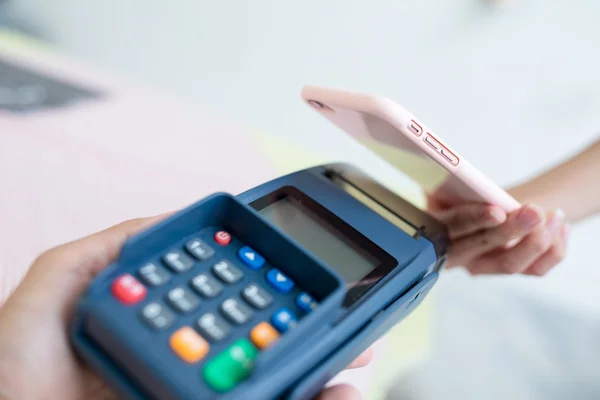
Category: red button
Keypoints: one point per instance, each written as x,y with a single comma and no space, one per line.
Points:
128,290
223,238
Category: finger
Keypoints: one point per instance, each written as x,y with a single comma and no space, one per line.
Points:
470,218
340,392
59,276
518,224
553,256
515,260
94,387
520,257
363,360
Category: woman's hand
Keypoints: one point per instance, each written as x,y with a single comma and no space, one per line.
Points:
487,240
36,359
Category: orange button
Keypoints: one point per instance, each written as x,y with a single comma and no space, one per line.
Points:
189,345
263,335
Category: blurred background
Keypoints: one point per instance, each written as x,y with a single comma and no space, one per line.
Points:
513,85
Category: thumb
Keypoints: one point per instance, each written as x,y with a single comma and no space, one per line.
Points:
59,276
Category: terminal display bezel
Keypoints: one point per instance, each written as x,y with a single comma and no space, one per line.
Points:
385,263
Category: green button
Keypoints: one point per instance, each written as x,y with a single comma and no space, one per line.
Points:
231,366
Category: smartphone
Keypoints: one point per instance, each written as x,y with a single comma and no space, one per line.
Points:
407,143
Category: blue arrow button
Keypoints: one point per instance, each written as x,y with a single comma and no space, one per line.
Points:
279,281
251,258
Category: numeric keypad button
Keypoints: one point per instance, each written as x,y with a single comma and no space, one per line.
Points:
178,261
227,272
257,297
206,286
183,300
199,249
157,316
154,275
236,311
213,327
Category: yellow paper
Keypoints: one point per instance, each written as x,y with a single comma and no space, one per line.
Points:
16,41
425,172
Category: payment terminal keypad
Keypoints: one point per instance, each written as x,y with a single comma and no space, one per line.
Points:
216,303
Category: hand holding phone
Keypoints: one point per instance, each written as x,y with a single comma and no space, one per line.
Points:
491,232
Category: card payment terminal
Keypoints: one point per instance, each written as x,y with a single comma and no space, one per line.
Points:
265,295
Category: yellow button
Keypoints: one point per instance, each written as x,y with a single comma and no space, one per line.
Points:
189,345
263,335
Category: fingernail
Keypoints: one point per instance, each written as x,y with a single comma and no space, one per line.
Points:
555,221
529,216
496,214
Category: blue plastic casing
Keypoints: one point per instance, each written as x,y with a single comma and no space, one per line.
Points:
324,342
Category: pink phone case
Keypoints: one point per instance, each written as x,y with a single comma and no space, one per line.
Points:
373,118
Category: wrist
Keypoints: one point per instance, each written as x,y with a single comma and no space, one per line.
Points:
15,384
8,391
538,191
548,196
525,193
